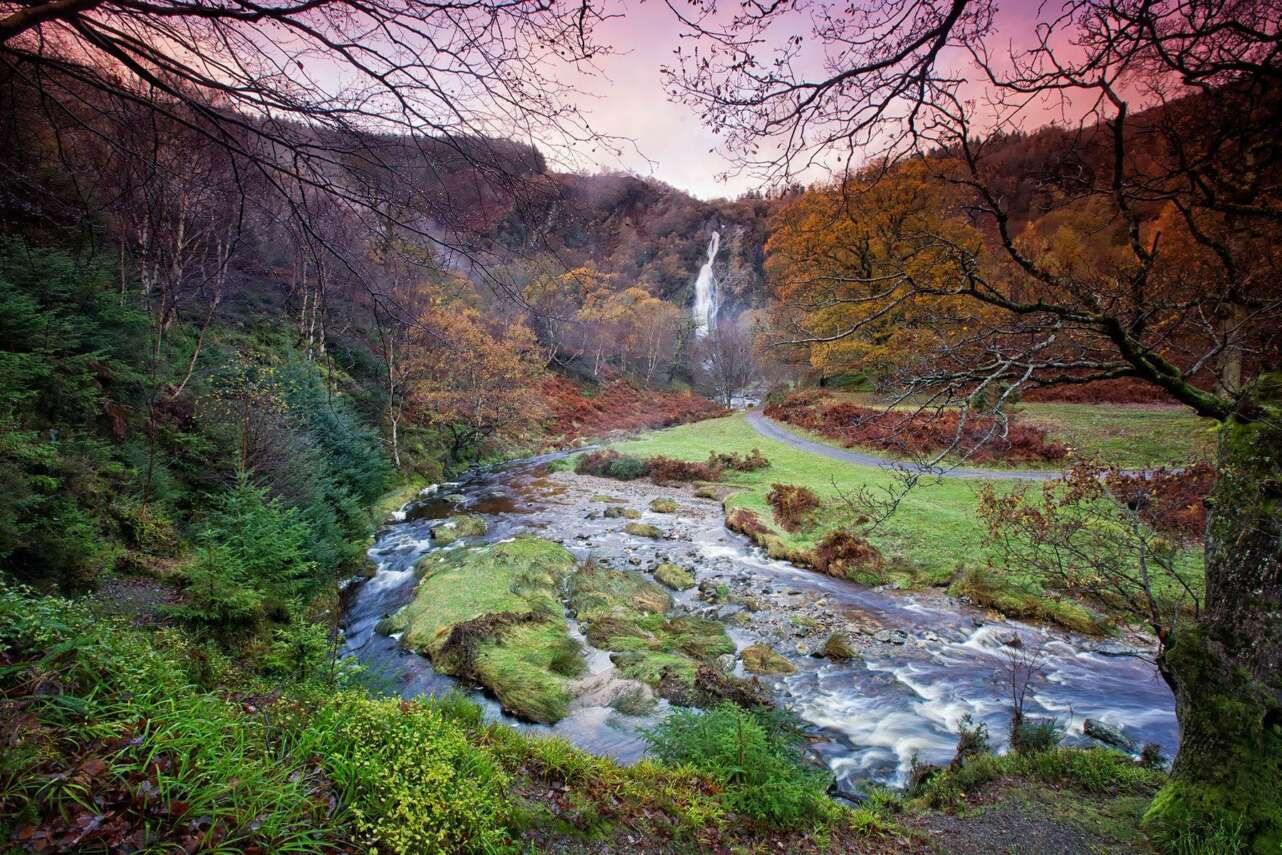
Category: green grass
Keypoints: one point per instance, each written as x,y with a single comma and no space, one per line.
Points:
394,499
493,614
1090,770
1132,436
935,529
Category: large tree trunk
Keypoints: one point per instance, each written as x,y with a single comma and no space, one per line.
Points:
1226,669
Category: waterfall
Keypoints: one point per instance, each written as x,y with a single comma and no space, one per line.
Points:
705,291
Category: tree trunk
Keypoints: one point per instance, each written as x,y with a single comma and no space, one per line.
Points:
1226,669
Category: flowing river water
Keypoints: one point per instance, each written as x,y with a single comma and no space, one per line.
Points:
927,660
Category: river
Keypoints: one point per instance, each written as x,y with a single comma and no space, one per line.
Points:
869,717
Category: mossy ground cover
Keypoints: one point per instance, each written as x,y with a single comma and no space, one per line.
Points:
1060,800
493,614
628,615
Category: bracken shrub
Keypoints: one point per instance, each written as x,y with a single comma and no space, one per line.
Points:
746,522
1172,501
755,756
668,470
841,552
618,405
409,777
608,463
750,462
792,504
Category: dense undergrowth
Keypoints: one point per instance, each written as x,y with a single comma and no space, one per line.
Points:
121,740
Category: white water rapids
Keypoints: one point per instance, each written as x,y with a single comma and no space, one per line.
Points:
705,306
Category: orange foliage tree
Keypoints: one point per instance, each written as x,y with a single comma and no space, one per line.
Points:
853,266
475,383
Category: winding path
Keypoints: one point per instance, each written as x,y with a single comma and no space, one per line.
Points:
773,430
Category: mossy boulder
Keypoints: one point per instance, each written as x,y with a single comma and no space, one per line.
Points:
760,659
459,525
663,506
674,577
838,648
613,500
492,614
705,492
621,513
469,525
643,530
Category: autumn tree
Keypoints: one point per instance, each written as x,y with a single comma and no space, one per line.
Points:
475,383
1176,106
846,264
596,323
554,300
647,331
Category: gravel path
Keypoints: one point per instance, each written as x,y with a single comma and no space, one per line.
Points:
773,430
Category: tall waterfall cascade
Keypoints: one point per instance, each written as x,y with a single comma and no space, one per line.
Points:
705,306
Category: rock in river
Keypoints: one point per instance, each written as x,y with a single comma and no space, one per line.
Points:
1107,734
760,659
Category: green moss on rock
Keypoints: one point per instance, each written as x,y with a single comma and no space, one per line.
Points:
643,530
663,506
838,648
492,614
760,659
626,614
459,525
674,577
622,513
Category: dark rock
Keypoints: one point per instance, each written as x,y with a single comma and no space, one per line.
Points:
1108,735
838,648
844,792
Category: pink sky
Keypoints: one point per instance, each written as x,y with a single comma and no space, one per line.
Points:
674,147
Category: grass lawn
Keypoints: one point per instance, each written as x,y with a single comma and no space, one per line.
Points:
1133,436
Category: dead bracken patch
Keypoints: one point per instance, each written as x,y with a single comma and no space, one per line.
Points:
909,434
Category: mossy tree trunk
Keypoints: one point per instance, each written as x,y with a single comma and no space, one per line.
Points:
1225,790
